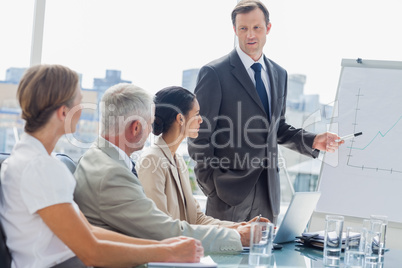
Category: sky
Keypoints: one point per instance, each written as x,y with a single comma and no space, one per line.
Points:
152,42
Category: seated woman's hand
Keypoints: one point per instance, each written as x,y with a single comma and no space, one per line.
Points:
185,249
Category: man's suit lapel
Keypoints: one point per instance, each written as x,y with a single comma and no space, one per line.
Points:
240,73
273,80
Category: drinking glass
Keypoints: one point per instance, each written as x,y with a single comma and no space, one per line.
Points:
355,243
333,240
261,237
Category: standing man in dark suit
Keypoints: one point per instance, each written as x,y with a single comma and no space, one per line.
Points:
243,101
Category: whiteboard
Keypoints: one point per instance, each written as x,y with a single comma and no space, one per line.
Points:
364,177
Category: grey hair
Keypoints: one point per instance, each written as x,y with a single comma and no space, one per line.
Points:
123,103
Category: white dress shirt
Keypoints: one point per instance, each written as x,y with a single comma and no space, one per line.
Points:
247,62
31,180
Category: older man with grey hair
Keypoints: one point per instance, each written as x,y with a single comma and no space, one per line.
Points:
109,192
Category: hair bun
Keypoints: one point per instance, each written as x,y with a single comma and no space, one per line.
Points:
157,126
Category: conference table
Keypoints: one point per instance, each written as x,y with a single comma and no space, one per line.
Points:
295,255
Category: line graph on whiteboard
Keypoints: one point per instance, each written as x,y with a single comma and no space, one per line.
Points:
364,176
379,150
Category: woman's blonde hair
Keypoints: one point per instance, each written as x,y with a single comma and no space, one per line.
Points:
42,90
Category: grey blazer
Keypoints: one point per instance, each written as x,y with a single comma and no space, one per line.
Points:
236,142
112,197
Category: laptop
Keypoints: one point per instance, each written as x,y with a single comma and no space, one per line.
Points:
297,216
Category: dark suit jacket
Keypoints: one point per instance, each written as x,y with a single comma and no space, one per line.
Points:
236,142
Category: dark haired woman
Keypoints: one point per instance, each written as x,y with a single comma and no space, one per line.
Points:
162,171
43,224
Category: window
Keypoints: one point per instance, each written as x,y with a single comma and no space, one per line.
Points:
15,47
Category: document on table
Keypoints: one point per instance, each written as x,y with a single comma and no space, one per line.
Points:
316,239
320,235
206,262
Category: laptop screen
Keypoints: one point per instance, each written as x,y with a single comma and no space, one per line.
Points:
297,216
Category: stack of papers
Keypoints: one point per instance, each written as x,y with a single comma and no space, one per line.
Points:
316,239
206,262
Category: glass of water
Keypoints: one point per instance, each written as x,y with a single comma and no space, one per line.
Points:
261,237
355,242
333,240
381,229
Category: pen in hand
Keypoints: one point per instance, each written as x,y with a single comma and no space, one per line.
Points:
258,219
349,136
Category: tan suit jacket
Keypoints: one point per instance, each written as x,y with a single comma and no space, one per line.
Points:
112,197
166,181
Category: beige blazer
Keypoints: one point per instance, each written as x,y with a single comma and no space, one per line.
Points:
166,181
112,197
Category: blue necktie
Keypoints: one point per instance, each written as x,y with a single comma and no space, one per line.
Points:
259,84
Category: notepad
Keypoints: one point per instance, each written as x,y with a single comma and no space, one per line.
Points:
206,262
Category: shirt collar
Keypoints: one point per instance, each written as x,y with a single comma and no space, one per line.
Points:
31,140
122,154
248,61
